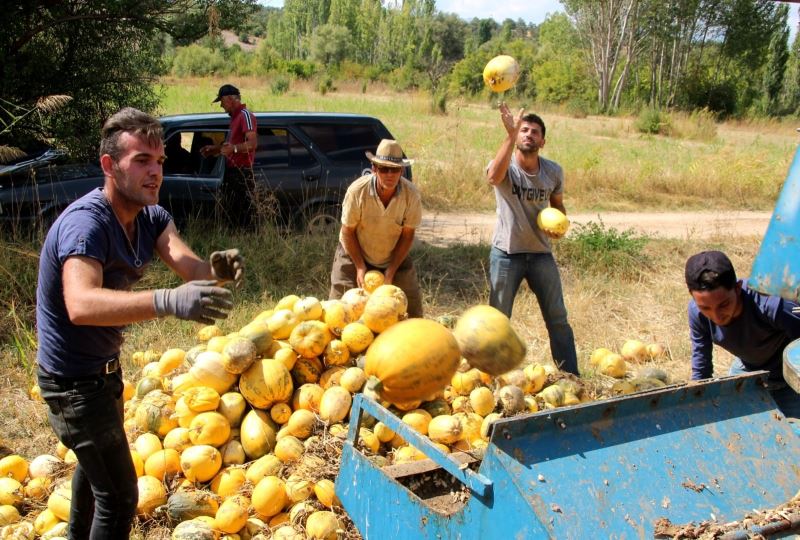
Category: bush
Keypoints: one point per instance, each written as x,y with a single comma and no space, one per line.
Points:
300,68
577,108
199,61
594,248
653,122
700,125
439,103
373,73
325,84
267,58
403,78
280,86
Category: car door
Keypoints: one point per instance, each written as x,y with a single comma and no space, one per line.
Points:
191,181
288,174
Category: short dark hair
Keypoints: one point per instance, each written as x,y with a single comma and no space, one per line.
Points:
129,120
535,119
709,270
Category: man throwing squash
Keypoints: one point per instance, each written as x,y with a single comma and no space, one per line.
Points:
380,214
525,184
94,253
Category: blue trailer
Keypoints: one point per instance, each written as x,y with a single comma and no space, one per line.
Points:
629,467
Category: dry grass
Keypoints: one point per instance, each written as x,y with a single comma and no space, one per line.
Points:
608,166
604,309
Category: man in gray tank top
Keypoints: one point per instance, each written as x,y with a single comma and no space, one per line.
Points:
524,184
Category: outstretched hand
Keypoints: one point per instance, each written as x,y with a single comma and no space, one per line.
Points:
510,122
227,265
200,301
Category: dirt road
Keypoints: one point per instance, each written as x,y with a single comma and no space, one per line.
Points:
446,228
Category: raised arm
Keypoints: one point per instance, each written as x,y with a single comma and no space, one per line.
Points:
496,172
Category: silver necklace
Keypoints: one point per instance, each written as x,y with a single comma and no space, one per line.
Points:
137,262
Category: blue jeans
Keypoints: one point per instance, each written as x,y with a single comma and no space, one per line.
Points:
86,415
506,273
787,400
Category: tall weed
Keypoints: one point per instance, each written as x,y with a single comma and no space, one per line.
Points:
280,86
653,122
596,249
700,125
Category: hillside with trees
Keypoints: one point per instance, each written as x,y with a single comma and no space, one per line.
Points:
730,58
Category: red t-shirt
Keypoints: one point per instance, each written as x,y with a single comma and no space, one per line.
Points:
242,121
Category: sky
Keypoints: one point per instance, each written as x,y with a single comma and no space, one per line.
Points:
531,11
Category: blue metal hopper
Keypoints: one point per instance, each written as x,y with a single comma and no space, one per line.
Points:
712,450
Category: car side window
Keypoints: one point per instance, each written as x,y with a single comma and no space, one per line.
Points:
179,160
342,142
279,148
183,152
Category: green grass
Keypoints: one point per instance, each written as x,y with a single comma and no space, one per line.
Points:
594,248
608,164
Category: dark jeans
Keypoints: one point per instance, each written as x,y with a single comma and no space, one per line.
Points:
237,195
86,415
506,273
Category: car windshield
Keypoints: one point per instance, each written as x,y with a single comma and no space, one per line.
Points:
33,159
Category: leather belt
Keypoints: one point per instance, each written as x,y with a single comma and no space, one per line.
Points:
111,366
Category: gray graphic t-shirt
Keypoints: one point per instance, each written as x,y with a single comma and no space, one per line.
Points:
520,197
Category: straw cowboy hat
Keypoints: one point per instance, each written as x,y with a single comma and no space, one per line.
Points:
388,154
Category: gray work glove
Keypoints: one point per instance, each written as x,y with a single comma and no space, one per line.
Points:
227,265
198,300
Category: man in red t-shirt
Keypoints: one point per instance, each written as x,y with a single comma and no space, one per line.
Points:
239,150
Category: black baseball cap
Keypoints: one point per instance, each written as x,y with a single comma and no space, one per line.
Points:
709,261
226,90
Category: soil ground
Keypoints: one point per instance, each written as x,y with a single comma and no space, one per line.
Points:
448,228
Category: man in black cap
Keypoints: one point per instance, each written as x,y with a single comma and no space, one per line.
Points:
754,327
239,149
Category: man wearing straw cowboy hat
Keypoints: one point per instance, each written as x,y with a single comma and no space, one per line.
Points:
380,214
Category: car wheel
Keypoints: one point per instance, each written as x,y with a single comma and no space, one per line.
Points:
322,220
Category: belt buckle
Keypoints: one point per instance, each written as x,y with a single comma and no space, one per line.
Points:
111,366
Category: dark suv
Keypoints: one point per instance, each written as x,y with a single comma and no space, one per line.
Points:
303,165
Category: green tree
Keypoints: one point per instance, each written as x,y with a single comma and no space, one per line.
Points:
560,68
344,13
329,44
777,57
611,37
104,54
467,74
368,20
792,80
